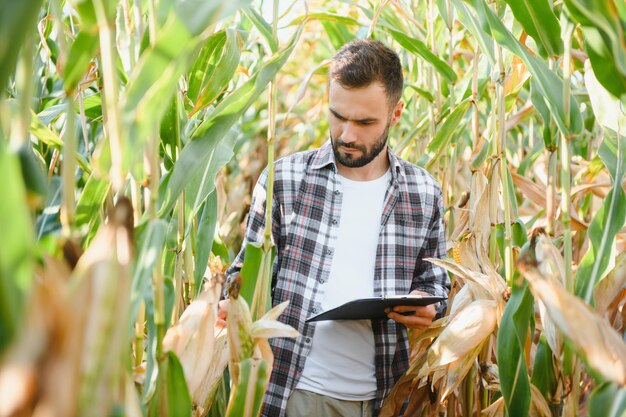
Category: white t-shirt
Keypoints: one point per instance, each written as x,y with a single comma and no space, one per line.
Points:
341,361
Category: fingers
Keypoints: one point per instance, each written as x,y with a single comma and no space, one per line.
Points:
222,313
421,317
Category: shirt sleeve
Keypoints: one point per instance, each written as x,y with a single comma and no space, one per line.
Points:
428,277
255,226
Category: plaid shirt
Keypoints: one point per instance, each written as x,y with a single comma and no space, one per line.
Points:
306,213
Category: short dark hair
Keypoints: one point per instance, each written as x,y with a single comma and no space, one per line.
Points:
361,62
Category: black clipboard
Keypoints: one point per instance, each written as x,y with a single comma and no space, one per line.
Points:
373,308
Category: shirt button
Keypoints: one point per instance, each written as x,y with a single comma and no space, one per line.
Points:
337,192
321,280
307,340
315,310
334,221
329,251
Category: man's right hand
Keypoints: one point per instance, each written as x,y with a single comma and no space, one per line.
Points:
222,313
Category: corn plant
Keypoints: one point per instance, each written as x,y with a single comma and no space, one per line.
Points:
131,135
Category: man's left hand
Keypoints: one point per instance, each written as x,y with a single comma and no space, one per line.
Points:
421,318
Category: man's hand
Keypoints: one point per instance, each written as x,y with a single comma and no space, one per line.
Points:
418,318
222,313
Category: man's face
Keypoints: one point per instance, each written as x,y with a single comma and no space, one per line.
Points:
359,121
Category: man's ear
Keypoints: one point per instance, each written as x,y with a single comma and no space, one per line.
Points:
397,112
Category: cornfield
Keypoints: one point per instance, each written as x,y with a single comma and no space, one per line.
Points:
133,131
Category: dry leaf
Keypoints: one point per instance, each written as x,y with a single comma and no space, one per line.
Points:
465,331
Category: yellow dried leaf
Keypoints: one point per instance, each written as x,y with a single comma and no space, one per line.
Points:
538,405
588,332
611,285
193,340
465,331
458,370
494,410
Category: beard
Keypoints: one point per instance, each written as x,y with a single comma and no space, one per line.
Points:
368,154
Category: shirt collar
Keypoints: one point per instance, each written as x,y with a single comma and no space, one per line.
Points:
325,157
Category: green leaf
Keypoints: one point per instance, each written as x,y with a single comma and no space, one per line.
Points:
250,271
169,132
417,47
81,53
473,26
248,396
16,248
51,138
322,16
540,22
422,92
91,201
202,184
605,42
151,88
514,383
549,84
49,221
204,238
607,110
177,401
446,131
262,26
151,244
17,19
539,101
213,69
338,33
196,156
198,15
607,222
607,400
543,370
34,178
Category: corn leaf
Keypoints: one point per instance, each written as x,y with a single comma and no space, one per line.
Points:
610,287
549,84
204,238
49,222
174,399
446,131
16,250
607,400
605,42
607,222
82,51
540,22
202,184
150,244
91,201
247,397
323,16
417,47
17,19
338,33
473,26
590,334
195,157
607,109
464,332
512,334
543,376
262,26
256,285
213,69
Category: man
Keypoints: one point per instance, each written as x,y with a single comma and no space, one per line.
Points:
350,220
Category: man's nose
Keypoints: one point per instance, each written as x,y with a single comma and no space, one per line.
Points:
348,134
